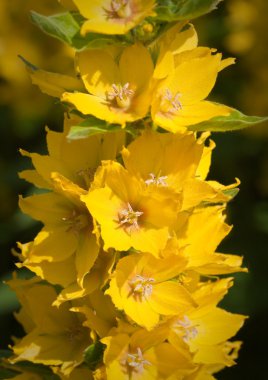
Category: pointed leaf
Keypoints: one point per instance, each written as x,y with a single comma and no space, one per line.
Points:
93,126
61,26
235,121
66,28
175,10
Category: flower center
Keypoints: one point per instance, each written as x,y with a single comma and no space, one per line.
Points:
185,329
120,9
135,362
87,175
74,333
121,95
75,221
141,287
128,218
170,103
156,180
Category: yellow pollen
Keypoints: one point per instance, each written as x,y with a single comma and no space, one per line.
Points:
171,103
128,218
122,95
141,287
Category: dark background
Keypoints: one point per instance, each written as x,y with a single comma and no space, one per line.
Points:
238,28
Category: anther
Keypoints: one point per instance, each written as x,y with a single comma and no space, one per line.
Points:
121,95
128,218
158,181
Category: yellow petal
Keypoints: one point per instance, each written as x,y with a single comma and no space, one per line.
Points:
33,177
136,67
55,84
194,79
98,70
196,191
50,208
87,253
93,105
55,245
170,298
215,326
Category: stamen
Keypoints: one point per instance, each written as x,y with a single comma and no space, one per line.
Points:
75,221
158,181
121,95
141,287
135,362
185,328
128,218
118,9
171,103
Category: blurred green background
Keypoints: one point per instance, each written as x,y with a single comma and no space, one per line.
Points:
238,28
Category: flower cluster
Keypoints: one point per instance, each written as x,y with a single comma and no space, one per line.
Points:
127,280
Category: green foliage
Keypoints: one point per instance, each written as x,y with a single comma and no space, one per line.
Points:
93,126
61,26
93,355
66,28
176,10
231,192
235,121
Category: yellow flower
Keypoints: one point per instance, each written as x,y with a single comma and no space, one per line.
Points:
206,327
178,101
144,355
99,312
113,16
174,161
163,159
77,160
117,92
181,37
58,337
130,214
227,352
142,287
200,235
67,240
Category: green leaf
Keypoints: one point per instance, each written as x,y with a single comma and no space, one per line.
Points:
89,127
8,299
42,370
66,28
231,192
93,354
77,133
61,26
176,10
5,354
6,373
235,121
93,126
